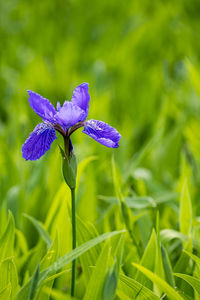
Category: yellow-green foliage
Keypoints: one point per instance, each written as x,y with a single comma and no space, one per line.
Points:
141,60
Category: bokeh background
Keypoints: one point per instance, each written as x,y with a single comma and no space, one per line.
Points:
141,59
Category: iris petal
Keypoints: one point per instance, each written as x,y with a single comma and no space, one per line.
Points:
58,106
81,98
42,107
39,141
102,133
69,114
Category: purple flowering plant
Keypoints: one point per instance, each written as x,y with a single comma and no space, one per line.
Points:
65,120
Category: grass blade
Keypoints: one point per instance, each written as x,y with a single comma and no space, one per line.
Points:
162,284
148,261
95,285
132,289
64,260
38,225
34,284
185,211
194,282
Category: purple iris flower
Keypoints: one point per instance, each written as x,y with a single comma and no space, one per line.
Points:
66,119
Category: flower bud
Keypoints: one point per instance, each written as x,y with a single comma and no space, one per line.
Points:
69,168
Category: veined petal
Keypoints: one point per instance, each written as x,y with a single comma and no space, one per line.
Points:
69,114
42,106
102,133
81,98
39,141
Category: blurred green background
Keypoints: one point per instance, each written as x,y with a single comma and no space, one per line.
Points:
141,60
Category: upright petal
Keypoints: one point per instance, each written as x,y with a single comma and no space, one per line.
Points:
39,141
58,106
102,133
42,106
81,98
69,115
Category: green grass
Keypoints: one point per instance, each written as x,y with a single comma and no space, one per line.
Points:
141,59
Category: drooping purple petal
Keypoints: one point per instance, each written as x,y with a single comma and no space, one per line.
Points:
69,115
102,133
81,98
39,141
42,106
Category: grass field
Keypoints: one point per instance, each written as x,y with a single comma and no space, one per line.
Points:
137,206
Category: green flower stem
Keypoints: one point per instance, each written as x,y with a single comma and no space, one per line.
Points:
73,241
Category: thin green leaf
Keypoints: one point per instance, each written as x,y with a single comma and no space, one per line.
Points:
132,289
85,232
40,228
95,284
110,284
55,276
169,234
194,257
183,260
185,211
21,241
194,282
167,268
158,261
48,259
132,202
63,261
148,261
111,280
34,284
162,284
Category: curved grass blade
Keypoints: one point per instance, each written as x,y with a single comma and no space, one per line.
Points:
34,284
169,234
64,260
194,282
131,289
135,202
194,257
162,284
38,225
